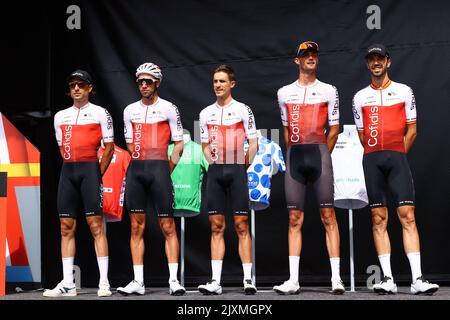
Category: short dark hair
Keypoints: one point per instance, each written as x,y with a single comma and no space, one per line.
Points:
227,69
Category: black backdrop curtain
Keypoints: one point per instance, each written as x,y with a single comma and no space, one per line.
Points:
257,38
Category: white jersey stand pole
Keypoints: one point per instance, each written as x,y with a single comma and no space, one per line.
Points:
352,268
252,227
182,253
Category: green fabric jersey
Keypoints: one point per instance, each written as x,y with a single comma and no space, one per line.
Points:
187,177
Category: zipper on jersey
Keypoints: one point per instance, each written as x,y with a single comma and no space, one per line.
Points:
146,111
76,120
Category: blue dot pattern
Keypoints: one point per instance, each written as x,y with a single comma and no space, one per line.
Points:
255,195
258,167
253,180
267,161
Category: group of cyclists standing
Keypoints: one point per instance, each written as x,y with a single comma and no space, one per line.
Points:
384,114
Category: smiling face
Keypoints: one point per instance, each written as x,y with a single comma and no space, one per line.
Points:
378,65
308,61
222,85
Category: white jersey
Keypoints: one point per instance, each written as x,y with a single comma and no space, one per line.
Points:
306,109
349,184
267,162
150,128
382,114
80,130
225,129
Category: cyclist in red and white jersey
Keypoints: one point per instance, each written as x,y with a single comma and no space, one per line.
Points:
307,106
150,124
224,126
79,131
385,115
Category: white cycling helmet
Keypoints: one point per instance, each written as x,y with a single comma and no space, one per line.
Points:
151,69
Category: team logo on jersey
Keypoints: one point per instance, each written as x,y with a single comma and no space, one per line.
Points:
374,118
294,115
251,119
137,141
252,179
109,121
336,102
413,100
179,126
355,112
67,142
213,142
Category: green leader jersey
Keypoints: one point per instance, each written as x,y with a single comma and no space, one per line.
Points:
187,177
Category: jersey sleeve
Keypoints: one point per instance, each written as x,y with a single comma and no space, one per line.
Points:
357,113
410,106
106,123
248,120
278,158
176,128
282,106
333,106
204,135
127,125
58,132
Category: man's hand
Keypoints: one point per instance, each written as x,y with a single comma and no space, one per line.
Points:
177,152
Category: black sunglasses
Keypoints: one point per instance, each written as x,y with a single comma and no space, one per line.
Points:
147,81
81,85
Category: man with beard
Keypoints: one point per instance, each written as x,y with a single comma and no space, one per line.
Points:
150,124
385,115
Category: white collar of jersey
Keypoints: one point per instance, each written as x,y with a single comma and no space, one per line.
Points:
150,105
225,106
308,86
83,107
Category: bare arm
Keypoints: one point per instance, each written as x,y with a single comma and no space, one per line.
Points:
286,136
332,137
177,152
130,148
207,152
252,149
107,156
411,133
361,137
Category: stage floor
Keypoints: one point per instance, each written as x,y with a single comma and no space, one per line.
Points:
236,293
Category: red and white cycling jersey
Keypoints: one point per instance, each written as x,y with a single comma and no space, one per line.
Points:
383,114
80,130
305,110
150,128
225,129
113,182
